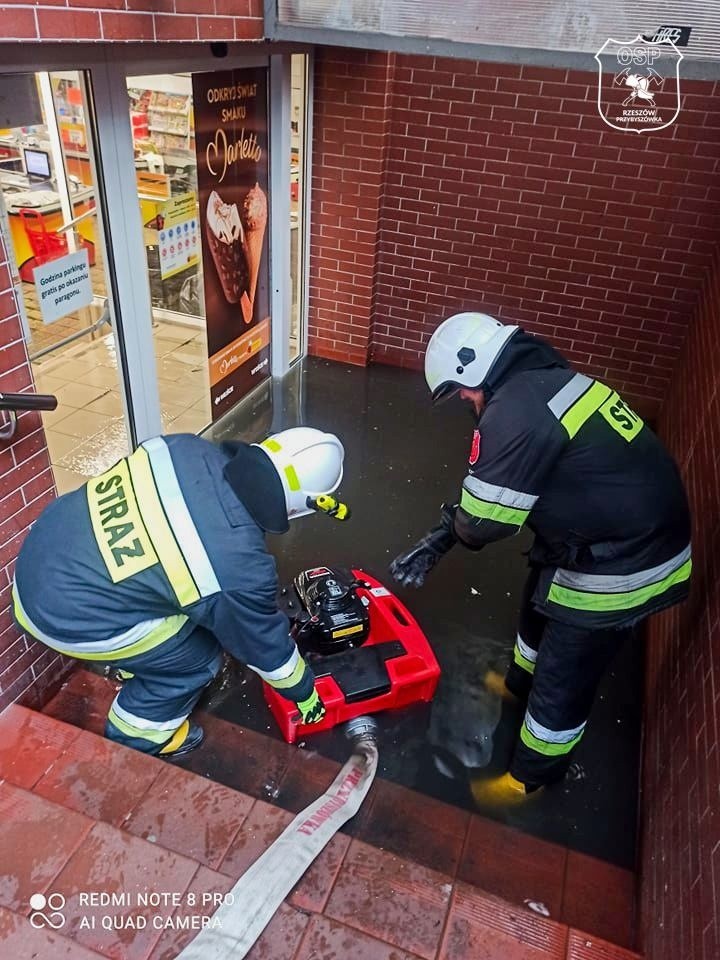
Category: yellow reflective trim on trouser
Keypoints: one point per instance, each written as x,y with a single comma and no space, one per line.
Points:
138,733
546,748
522,661
292,477
295,677
168,551
585,407
120,533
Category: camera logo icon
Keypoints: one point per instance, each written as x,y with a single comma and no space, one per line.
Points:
53,904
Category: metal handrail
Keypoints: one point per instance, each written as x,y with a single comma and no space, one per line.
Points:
11,403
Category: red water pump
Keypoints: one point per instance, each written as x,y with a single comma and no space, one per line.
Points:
365,648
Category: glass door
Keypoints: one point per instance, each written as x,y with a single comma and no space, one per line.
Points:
52,216
163,131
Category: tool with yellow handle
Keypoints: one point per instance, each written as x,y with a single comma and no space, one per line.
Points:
329,505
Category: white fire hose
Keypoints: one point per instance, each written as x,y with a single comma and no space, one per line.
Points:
257,895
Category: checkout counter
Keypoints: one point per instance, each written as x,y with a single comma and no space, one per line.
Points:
19,191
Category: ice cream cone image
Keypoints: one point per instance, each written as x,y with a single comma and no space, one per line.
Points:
253,216
225,238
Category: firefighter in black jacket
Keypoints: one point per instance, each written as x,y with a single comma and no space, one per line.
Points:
564,455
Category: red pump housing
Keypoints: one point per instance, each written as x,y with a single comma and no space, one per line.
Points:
393,667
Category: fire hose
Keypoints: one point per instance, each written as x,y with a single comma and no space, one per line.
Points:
260,891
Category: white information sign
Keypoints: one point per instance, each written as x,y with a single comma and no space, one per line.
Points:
63,285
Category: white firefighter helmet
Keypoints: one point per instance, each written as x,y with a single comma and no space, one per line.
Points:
461,352
309,463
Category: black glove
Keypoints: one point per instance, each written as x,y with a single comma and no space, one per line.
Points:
411,568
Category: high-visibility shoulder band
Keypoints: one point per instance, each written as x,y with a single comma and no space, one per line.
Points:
577,401
569,394
551,743
138,639
287,675
610,602
155,731
524,656
179,517
491,511
613,583
166,546
502,495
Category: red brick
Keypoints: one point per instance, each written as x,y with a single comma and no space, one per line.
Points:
216,28
17,24
59,25
175,28
128,26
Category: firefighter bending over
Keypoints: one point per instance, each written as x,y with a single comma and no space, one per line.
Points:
160,564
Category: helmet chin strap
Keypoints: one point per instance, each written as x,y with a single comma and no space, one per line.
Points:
330,506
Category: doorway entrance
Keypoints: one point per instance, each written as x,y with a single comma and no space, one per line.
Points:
100,165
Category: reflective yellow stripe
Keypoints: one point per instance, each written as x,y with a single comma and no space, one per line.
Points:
167,629
611,602
295,677
292,477
523,661
120,533
584,408
137,733
492,511
272,445
548,749
170,555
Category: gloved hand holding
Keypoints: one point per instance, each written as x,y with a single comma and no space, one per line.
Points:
312,710
411,568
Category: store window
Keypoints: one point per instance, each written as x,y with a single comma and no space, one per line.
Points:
52,222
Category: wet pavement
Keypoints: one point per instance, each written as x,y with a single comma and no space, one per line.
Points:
404,458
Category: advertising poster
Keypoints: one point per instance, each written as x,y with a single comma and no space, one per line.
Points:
231,141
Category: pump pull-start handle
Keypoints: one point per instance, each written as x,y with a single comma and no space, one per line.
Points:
329,505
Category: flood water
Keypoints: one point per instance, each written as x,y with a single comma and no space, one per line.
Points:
403,459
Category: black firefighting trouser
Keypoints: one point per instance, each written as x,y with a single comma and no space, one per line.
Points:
556,668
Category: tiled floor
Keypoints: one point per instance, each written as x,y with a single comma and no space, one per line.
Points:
86,434
431,838
357,901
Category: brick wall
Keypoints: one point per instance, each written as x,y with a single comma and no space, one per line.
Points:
27,669
351,128
681,770
503,189
138,20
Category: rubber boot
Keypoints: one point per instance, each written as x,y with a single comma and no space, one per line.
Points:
502,791
494,683
186,738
